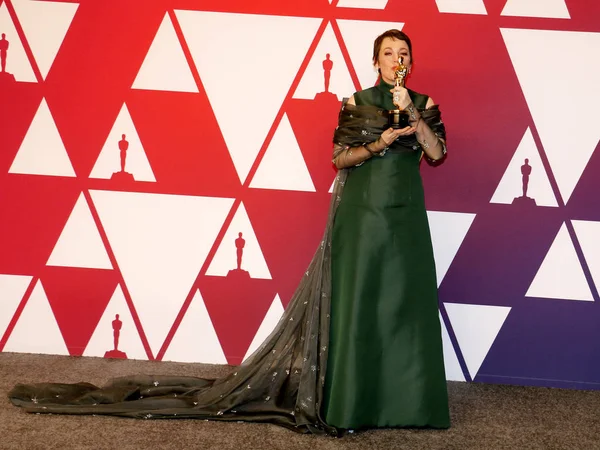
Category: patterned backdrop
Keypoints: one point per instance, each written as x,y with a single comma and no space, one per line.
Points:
165,172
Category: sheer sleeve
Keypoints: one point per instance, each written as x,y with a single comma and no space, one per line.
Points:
433,118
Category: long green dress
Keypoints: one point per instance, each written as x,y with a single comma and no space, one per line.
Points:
385,366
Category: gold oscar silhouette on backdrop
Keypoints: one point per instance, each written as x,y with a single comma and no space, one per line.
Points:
238,272
327,66
5,77
115,353
240,243
326,96
123,175
524,200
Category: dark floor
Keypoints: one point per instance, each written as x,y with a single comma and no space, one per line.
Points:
483,417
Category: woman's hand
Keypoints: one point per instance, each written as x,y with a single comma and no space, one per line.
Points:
400,97
389,136
406,131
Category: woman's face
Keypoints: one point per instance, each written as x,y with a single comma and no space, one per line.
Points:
387,60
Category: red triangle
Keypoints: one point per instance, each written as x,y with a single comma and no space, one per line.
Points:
289,242
314,122
34,211
584,200
413,11
78,297
237,305
584,16
183,143
494,7
20,102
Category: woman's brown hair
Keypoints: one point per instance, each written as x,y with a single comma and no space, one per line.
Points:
394,34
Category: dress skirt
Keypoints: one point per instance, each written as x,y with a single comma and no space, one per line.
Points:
385,366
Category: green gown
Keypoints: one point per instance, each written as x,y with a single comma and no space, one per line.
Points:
385,366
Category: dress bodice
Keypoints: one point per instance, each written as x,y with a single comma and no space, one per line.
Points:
381,97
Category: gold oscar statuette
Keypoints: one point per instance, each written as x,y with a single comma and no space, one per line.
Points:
398,118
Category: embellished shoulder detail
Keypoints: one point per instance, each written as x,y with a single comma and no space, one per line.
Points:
360,124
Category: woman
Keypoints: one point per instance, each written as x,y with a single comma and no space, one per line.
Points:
386,363
286,380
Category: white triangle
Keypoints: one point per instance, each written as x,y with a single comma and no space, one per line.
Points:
313,79
42,151
511,184
560,274
160,243
37,330
359,36
453,370
587,234
225,258
129,340
366,4
12,289
555,9
461,6
17,62
80,244
109,159
165,67
45,36
196,339
246,84
448,230
476,328
283,166
332,186
267,326
534,56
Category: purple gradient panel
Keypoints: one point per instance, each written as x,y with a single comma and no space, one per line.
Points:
547,342
584,203
501,255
